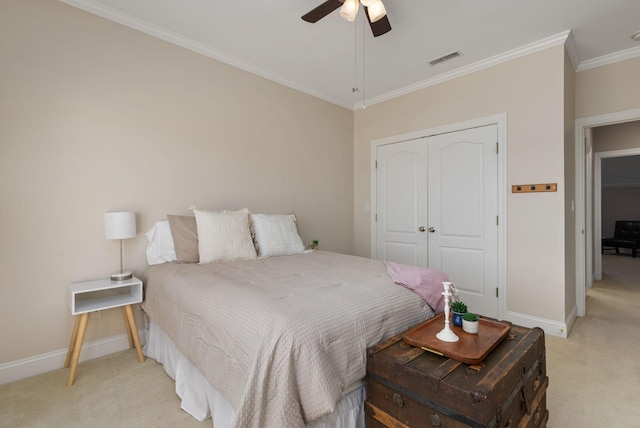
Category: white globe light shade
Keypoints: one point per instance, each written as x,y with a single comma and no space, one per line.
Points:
376,10
349,10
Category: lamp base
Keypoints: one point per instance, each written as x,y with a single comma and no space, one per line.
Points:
121,276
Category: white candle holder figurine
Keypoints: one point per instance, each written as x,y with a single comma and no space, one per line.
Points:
446,334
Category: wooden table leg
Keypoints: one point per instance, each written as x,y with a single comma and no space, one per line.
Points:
134,331
82,328
127,327
72,342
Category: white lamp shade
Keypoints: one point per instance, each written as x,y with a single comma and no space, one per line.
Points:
376,11
119,225
349,10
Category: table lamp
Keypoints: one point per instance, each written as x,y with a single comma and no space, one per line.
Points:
120,225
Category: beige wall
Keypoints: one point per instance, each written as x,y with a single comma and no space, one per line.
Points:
97,117
531,91
608,89
619,203
620,136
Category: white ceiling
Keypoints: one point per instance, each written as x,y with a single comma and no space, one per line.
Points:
328,59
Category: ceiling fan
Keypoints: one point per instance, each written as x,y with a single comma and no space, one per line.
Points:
373,9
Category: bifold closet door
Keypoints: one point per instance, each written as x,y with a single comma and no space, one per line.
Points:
437,206
401,204
463,213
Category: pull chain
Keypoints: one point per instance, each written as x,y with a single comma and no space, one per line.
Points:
355,88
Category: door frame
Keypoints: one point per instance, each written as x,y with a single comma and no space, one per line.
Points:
597,202
500,120
584,232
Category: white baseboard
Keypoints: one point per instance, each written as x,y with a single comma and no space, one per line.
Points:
31,366
550,327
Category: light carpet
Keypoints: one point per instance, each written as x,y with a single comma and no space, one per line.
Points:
112,391
594,375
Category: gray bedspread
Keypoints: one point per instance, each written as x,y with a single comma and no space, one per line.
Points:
281,337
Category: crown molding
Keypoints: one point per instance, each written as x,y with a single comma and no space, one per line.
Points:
609,59
572,51
564,37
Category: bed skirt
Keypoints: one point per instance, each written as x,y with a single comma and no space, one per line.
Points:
203,401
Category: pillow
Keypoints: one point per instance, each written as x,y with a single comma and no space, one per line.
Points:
160,247
185,238
276,235
224,236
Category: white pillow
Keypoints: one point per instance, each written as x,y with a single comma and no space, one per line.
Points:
276,235
224,236
160,248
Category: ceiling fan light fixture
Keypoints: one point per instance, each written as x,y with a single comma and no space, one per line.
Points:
375,9
349,10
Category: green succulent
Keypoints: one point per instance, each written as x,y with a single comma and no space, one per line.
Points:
459,307
470,317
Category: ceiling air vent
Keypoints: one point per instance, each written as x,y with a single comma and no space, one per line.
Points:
444,58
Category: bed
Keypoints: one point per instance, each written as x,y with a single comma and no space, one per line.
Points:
271,341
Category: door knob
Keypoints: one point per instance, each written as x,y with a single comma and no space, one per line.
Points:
432,229
421,229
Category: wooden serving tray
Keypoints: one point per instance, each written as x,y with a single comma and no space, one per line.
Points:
470,349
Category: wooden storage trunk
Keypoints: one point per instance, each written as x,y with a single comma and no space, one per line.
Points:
411,387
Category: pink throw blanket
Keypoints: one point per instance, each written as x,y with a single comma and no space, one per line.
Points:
425,282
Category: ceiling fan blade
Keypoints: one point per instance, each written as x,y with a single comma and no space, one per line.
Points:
321,11
380,27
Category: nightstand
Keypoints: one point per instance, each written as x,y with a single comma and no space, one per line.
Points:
98,295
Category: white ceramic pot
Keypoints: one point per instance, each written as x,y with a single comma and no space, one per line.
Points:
470,326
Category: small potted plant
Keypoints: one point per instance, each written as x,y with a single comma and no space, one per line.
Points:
313,245
458,309
470,323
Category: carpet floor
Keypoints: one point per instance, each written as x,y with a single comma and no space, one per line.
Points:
112,391
594,375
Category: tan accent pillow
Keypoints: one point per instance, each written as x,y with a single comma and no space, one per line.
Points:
224,236
185,238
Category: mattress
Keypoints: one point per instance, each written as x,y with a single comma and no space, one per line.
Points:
280,338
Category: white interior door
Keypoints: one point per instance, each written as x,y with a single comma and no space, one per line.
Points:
437,206
463,213
401,188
